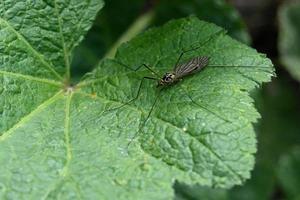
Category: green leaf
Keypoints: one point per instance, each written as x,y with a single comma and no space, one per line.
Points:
289,38
288,173
36,41
211,137
59,142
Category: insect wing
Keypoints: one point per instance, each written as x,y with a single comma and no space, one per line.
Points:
193,66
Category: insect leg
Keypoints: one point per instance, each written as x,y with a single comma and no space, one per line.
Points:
181,54
204,108
259,68
147,67
144,122
137,95
139,67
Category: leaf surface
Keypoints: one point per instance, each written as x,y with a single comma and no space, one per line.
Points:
59,142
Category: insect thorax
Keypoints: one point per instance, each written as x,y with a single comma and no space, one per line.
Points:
168,78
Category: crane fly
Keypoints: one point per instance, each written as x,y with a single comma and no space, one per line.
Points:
179,71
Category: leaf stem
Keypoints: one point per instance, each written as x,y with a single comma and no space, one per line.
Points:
138,26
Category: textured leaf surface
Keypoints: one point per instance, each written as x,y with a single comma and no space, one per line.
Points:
42,34
57,141
289,37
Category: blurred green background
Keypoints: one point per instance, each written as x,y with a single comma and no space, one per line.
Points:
270,26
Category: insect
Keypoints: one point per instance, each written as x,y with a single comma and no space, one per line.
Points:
179,71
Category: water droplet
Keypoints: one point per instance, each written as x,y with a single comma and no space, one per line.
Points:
123,151
120,182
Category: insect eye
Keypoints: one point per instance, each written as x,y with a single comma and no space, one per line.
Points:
168,78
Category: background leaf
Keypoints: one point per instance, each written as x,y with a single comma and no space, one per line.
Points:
288,173
289,38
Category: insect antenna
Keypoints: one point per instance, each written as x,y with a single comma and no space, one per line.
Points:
139,67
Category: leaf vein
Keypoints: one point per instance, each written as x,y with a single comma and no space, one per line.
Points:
31,78
26,118
36,53
171,124
206,146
